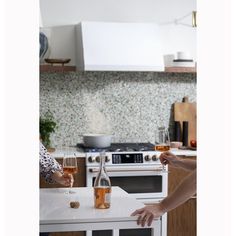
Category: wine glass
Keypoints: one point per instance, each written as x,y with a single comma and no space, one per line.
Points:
162,141
70,165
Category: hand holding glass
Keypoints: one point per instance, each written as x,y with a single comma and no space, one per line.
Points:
162,141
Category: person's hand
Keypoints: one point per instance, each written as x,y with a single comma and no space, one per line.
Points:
63,179
148,213
169,158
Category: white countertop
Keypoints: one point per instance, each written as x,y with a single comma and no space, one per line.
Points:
56,215
180,152
80,153
55,206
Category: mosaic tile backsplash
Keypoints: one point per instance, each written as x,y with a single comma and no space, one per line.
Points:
129,105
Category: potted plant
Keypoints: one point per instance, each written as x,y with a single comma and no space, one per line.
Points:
46,127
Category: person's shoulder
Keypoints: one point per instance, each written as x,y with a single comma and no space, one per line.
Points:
41,147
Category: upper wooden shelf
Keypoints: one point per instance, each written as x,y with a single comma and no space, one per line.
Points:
63,68
181,69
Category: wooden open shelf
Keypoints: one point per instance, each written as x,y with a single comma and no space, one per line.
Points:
181,69
57,68
63,68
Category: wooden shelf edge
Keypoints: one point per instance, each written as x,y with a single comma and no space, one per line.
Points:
181,69
50,68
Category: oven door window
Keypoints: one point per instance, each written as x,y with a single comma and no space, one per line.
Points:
138,184
124,232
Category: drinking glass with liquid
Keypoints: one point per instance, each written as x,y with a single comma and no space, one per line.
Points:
102,186
162,142
162,139
69,165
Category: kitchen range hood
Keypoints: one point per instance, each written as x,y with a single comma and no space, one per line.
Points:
112,46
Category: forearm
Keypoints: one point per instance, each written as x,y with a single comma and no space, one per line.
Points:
185,190
56,176
187,164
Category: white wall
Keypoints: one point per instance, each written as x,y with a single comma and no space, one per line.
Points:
63,12
177,37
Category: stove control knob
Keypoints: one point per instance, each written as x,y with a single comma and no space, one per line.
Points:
107,159
154,158
91,159
98,159
147,158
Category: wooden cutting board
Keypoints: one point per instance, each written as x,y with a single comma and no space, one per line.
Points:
187,111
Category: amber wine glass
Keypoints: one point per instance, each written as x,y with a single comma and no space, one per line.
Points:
162,141
70,166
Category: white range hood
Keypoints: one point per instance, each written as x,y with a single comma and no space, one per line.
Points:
108,46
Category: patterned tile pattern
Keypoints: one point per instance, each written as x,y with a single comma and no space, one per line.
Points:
130,105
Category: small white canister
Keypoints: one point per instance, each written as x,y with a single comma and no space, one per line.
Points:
183,56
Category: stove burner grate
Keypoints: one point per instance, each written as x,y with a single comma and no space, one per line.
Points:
121,147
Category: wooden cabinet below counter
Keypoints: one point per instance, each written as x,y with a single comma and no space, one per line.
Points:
79,178
181,221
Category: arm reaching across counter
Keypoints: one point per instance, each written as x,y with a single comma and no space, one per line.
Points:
178,162
184,191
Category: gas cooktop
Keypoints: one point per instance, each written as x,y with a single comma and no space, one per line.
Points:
121,147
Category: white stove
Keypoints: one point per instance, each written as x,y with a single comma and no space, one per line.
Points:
135,167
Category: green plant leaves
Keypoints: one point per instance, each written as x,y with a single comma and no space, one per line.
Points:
47,125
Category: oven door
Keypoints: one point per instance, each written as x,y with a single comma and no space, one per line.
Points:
145,183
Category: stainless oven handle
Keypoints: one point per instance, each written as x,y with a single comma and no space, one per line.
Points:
95,170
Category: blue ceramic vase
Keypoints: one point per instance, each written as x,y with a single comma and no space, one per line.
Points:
43,40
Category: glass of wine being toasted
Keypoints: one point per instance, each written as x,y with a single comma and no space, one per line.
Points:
70,166
162,141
